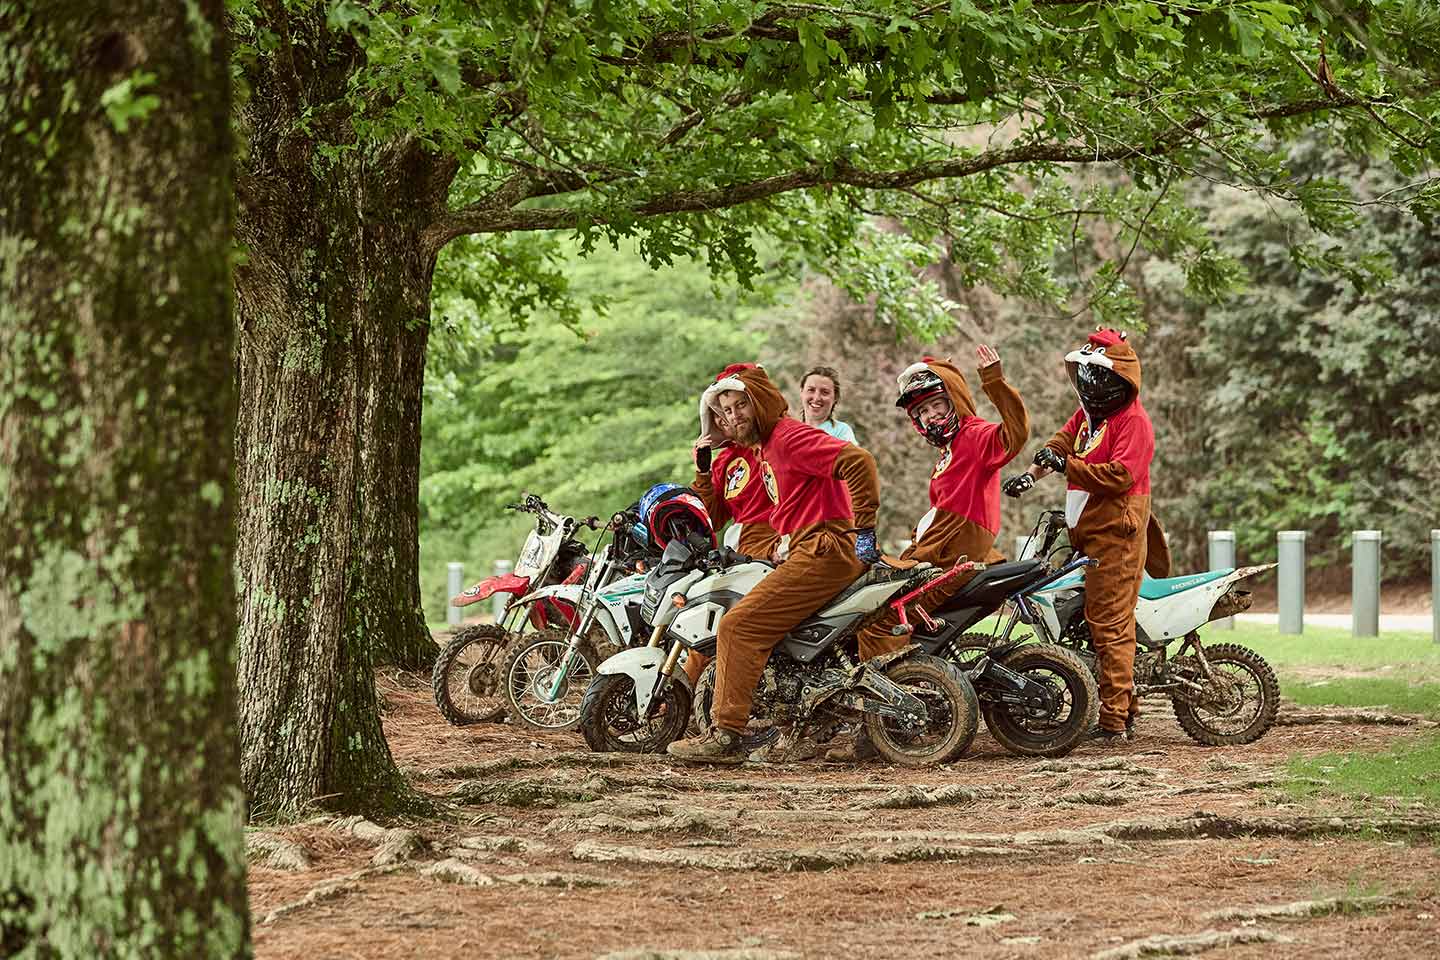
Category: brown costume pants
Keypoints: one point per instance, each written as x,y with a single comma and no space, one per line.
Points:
820,564
1111,590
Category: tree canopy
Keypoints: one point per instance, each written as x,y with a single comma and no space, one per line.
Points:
699,126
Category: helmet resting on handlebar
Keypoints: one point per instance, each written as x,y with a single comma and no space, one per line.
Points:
669,511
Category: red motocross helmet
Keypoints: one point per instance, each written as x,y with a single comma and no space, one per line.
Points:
670,511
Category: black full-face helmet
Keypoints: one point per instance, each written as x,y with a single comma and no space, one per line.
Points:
1102,390
919,387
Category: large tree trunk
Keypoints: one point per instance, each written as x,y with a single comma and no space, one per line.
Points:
121,814
333,308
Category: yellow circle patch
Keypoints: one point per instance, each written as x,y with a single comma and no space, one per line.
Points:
737,475
768,476
1086,441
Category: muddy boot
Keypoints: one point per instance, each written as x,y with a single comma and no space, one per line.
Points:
1130,727
854,747
1102,737
789,747
716,746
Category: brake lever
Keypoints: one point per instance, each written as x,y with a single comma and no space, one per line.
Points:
592,522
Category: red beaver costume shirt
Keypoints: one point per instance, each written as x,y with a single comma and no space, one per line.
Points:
1107,508
734,489
964,516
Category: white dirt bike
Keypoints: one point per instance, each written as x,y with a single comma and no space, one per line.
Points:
547,671
552,573
1223,693
918,709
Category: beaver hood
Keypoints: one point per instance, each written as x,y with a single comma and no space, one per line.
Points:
769,403
1110,349
955,386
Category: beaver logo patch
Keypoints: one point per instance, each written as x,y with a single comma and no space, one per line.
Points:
736,477
1085,442
941,464
768,476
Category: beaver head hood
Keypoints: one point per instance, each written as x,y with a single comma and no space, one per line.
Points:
1105,372
768,401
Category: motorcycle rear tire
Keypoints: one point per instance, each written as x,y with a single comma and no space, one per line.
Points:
959,699
478,676
1028,737
607,716
1254,664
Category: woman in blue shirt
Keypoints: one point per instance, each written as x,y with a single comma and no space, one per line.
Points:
819,392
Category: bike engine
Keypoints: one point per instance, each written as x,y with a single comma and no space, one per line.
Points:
1146,669
780,686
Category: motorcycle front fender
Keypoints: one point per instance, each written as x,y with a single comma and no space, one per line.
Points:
570,595
642,665
505,583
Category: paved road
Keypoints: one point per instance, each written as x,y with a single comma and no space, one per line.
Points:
1388,621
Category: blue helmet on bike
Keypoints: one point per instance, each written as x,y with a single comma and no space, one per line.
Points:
670,512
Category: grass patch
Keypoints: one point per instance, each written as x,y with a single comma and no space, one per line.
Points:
1409,771
1408,651
1397,695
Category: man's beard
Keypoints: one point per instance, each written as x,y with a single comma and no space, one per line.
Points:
748,435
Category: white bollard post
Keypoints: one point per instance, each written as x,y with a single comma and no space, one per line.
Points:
499,601
1024,548
1222,556
1365,584
454,583
1435,584
1291,544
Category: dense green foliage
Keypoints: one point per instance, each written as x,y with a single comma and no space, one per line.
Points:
1322,390
586,409
699,126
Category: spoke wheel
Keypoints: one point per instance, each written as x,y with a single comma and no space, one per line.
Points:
544,682
1238,703
466,678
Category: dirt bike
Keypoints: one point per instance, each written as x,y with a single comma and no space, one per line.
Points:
917,709
1037,699
1223,694
466,677
547,671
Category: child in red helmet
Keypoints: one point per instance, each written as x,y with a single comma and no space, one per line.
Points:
964,516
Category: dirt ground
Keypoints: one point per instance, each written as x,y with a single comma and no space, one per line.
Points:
551,851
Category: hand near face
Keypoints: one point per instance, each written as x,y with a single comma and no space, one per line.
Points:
987,355
704,443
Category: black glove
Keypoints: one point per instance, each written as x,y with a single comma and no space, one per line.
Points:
1018,486
865,549
1050,460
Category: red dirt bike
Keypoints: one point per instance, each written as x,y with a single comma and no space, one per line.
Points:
466,679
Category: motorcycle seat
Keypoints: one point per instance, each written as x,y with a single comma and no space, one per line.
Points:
879,573
995,582
1168,586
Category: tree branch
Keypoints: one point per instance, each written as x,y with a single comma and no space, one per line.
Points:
495,214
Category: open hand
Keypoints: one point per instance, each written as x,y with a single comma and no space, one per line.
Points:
987,355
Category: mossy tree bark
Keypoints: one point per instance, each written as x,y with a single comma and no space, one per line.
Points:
121,813
333,310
